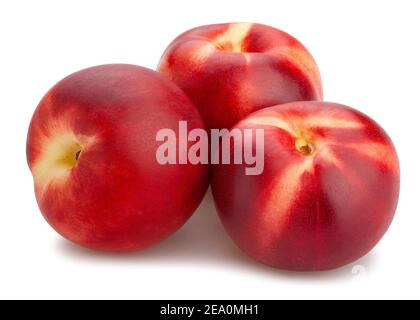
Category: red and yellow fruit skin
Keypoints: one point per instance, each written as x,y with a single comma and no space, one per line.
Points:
115,197
230,70
315,211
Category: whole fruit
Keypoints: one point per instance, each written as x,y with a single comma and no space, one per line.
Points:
91,148
326,196
230,70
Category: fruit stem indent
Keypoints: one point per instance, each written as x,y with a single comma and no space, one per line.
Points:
305,147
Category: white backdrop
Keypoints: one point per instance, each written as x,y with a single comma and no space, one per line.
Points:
368,53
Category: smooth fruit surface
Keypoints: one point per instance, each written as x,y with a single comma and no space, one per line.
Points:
230,70
91,148
328,192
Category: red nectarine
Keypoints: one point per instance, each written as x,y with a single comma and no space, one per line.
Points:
327,194
92,151
230,70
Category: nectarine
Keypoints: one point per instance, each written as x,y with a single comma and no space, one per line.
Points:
328,192
92,151
230,70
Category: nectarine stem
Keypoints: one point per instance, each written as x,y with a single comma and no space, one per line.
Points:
78,154
304,147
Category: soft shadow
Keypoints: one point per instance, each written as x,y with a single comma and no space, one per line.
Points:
202,241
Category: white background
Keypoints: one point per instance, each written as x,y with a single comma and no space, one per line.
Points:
368,53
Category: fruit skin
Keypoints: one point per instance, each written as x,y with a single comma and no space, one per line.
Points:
115,197
230,70
311,212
